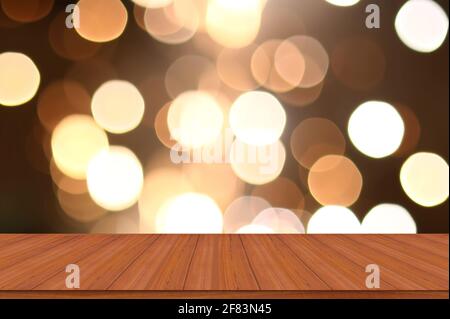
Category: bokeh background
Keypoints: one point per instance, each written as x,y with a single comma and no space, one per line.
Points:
364,65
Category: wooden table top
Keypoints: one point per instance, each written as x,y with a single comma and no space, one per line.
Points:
224,266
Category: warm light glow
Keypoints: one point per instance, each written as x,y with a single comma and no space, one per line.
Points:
26,11
257,118
376,129
257,165
254,229
335,180
343,3
280,220
282,192
233,23
19,79
241,212
195,119
75,140
388,219
153,3
190,213
79,207
334,220
101,20
118,106
425,179
422,25
115,178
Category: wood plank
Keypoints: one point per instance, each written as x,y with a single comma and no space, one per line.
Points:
220,263
29,273
336,270
397,273
424,242
276,267
6,240
163,266
100,270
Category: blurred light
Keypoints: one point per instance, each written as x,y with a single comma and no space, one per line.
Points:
101,20
190,213
282,192
27,11
280,220
257,165
153,3
79,207
290,63
195,119
75,140
175,23
314,138
118,223
67,43
264,70
234,68
19,79
257,118
160,185
254,229
349,62
316,60
422,25
118,106
233,23
413,131
335,180
388,219
241,212
343,3
60,99
376,129
66,183
334,220
425,179
190,73
300,97
115,178
162,128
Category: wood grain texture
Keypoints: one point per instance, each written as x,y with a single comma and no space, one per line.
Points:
235,266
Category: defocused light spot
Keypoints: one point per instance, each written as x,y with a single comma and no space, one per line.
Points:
300,97
264,70
412,131
175,23
162,128
343,3
190,213
75,140
254,229
241,212
190,73
424,178
115,178
257,118
19,79
160,185
290,63
314,138
195,119
118,223
388,219
334,220
316,60
280,220
80,207
233,23
335,180
118,106
282,192
27,11
234,68
66,183
101,20
376,129
257,165
422,25
153,3
60,99
349,63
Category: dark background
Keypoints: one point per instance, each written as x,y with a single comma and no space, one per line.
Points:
420,81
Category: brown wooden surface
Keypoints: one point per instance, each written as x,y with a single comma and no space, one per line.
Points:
235,266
